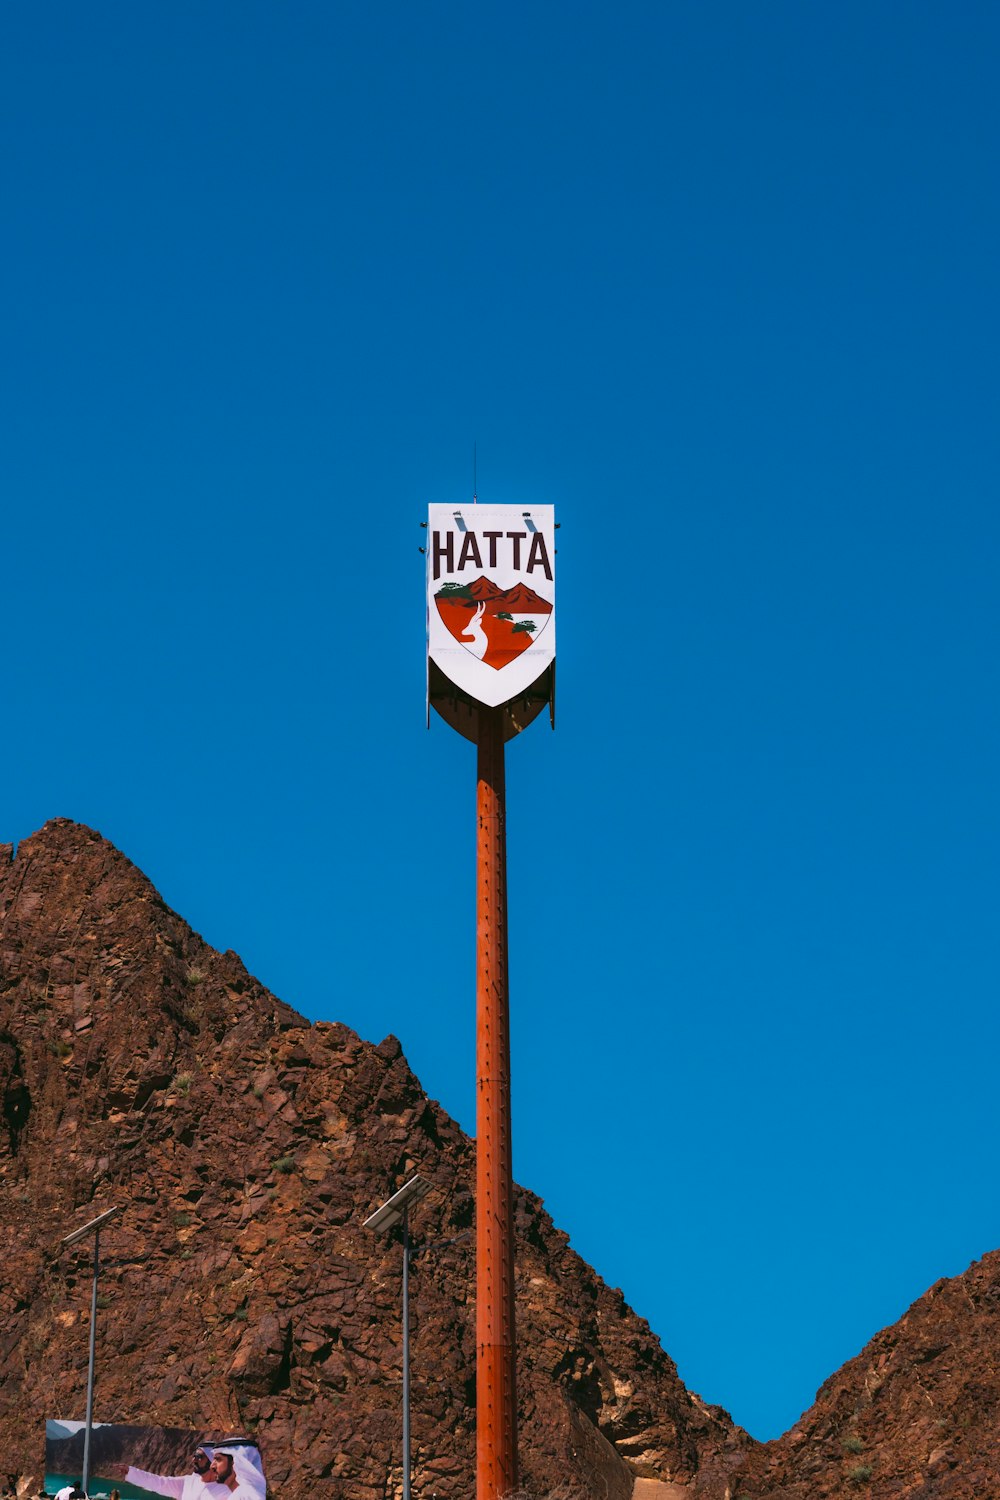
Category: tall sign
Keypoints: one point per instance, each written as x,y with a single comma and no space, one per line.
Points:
491,647
491,597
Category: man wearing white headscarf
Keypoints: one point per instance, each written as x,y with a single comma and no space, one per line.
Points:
234,1469
200,1484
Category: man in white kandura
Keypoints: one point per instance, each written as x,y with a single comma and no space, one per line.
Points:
198,1485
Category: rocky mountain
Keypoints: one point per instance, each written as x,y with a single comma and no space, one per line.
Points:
240,1292
915,1414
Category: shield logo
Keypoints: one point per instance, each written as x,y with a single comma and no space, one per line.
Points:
494,625
491,598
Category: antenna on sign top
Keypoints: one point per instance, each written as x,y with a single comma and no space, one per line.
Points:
474,487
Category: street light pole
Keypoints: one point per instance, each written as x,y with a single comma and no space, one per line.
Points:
396,1210
406,1354
94,1228
90,1363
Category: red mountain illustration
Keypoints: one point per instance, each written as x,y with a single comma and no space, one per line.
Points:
517,600
521,598
484,589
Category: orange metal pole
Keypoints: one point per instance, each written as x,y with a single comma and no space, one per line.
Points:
496,1396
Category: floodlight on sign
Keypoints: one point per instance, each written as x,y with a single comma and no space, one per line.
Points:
394,1208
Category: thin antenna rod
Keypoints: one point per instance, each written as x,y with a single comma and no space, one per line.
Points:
474,487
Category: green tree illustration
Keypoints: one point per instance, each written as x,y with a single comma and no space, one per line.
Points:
453,591
528,626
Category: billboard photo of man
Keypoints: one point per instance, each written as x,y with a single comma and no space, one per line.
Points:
171,1462
198,1485
232,1470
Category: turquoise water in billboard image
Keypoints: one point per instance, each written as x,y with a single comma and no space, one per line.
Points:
99,1488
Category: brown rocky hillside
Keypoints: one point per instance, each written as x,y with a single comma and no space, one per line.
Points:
140,1067
915,1414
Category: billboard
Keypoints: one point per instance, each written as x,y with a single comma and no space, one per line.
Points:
140,1462
491,607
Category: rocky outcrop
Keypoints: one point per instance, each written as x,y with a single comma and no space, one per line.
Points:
140,1067
915,1414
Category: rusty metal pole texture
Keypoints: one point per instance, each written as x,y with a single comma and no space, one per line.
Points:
496,1396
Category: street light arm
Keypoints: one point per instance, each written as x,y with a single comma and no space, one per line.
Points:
92,1227
440,1244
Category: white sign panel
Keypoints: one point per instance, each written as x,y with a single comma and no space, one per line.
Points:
491,617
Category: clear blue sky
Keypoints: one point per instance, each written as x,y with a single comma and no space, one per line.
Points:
720,282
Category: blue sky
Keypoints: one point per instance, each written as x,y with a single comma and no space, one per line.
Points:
719,282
